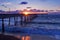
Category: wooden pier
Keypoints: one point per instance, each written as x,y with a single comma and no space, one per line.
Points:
25,19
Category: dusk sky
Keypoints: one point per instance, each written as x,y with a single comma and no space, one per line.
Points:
34,4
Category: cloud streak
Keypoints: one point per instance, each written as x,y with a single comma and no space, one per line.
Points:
7,3
43,0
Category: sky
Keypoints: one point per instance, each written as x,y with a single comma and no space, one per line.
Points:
34,4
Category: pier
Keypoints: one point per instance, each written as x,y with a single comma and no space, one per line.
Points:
25,16
24,19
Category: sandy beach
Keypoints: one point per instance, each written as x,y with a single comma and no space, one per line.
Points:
31,37
42,37
7,37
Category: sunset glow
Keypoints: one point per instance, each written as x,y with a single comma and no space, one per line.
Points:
26,13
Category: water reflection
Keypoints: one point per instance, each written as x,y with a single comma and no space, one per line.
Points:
25,38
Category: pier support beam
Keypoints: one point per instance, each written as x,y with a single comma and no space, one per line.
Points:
3,30
21,23
15,21
9,21
26,19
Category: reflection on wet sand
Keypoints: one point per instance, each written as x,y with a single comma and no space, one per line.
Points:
37,37
25,38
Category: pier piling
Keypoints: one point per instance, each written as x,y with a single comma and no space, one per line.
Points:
3,25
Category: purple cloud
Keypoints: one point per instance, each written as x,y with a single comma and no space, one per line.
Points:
24,3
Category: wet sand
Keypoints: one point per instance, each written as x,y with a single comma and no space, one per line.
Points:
42,37
7,37
29,37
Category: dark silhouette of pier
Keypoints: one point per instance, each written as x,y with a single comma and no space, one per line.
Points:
22,21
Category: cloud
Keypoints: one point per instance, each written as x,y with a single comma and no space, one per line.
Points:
43,0
6,3
4,6
24,3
